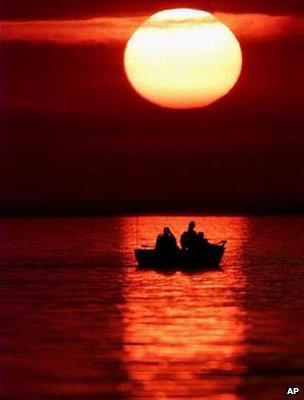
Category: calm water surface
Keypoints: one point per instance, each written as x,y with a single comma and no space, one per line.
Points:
79,321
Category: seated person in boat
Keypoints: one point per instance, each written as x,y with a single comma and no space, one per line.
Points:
201,241
166,242
188,239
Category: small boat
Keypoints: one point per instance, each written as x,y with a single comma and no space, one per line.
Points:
208,257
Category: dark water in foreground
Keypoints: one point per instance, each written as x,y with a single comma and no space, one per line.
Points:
79,321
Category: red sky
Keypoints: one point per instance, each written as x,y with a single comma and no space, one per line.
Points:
52,9
76,137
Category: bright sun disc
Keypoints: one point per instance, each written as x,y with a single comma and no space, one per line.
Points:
182,58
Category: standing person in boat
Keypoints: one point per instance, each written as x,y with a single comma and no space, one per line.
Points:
166,242
189,238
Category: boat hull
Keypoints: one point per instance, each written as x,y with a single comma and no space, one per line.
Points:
209,257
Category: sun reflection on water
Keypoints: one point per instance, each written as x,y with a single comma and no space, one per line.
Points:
184,334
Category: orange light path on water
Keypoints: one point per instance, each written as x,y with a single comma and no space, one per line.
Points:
181,339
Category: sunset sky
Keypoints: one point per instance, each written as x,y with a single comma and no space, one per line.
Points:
77,138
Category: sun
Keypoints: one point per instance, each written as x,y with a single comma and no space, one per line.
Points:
183,58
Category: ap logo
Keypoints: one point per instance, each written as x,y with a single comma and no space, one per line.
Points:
293,391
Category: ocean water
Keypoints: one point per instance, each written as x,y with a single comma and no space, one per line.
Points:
80,321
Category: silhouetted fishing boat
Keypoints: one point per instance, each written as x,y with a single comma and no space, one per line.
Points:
208,257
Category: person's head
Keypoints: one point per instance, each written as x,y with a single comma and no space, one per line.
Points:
191,225
166,231
201,235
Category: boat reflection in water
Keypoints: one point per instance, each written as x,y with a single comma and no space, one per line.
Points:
184,334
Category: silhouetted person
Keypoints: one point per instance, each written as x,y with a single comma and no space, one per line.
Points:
201,240
166,242
189,238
